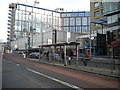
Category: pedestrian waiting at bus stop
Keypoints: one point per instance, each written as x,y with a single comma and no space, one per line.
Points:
70,57
47,56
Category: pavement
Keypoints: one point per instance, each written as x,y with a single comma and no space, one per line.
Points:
0,70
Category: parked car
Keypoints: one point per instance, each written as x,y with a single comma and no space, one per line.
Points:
56,56
35,55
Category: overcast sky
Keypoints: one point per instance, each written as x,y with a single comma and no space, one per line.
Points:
68,5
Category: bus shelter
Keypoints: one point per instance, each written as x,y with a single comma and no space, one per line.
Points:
62,47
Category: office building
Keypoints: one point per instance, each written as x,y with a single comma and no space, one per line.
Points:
112,13
28,23
76,22
105,21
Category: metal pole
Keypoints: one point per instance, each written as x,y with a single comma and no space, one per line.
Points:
77,55
39,52
41,33
32,25
65,60
90,40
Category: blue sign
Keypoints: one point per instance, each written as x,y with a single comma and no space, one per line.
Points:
87,43
86,46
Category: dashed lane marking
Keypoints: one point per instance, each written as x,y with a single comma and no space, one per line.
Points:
14,63
57,80
18,65
10,61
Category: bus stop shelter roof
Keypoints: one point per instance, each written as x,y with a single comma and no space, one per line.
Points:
60,44
102,21
86,36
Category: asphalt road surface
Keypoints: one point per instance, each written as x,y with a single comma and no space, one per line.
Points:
0,70
22,73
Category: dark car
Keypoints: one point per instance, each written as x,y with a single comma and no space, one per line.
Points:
35,55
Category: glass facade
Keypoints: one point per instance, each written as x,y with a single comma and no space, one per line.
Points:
96,4
112,19
76,21
111,9
97,13
32,20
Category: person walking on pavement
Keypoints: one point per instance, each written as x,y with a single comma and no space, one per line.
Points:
70,57
47,56
62,56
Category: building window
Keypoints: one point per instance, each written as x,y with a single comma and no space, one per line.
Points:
81,14
66,29
78,21
63,15
66,21
72,21
87,14
97,13
111,7
96,4
68,14
84,29
17,23
78,29
72,29
17,28
84,21
112,19
109,20
74,14
38,27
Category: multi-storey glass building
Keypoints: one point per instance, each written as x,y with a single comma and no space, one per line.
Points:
112,13
105,21
76,22
31,26
32,20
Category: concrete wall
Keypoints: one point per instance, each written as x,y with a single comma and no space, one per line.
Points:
42,39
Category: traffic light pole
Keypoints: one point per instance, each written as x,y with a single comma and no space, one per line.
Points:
90,41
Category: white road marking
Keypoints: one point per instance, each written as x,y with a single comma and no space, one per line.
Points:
10,61
59,81
18,65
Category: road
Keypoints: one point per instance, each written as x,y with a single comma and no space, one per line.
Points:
0,70
15,76
22,73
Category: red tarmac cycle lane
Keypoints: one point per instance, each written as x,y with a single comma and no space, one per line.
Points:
85,80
